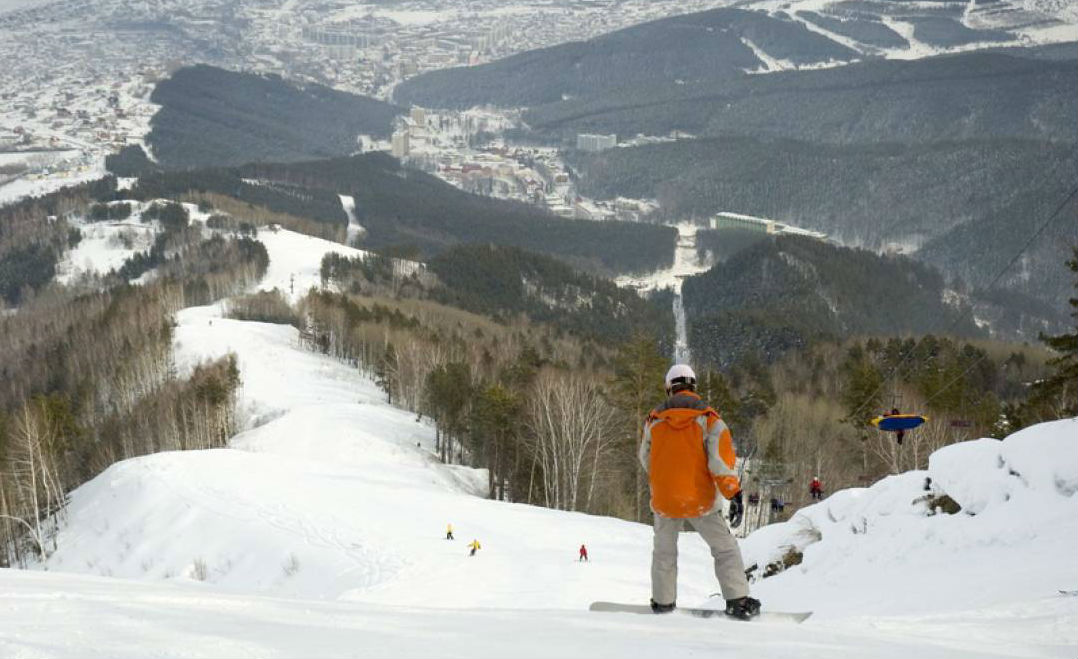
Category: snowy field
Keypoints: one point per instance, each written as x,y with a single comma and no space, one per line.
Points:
320,532
36,186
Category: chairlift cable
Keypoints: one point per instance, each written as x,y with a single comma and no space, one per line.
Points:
999,275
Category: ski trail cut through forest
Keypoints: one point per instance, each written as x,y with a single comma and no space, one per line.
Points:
686,264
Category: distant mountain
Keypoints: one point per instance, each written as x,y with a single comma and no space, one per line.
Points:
867,194
691,48
974,95
785,292
213,117
1031,296
962,154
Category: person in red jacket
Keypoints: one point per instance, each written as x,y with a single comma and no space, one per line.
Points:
583,553
816,488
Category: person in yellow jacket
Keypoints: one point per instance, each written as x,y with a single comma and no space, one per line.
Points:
449,532
688,454
474,544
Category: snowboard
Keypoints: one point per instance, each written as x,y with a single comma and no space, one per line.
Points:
766,616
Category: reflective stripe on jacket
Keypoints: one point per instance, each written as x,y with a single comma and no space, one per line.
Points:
688,454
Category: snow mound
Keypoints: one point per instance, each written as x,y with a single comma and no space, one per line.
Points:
890,547
1037,464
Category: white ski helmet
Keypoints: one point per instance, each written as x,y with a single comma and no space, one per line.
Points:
680,374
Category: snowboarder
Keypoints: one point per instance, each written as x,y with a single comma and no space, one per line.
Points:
474,545
583,553
688,454
449,532
816,488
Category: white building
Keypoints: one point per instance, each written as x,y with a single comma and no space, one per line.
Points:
590,142
399,145
762,224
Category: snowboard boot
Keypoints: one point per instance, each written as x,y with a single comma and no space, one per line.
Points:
662,608
743,608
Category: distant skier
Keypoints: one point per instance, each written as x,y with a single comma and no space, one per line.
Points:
583,553
688,454
816,488
449,532
474,545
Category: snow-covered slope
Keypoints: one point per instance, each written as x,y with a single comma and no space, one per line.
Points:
296,260
337,495
320,532
105,246
913,30
880,551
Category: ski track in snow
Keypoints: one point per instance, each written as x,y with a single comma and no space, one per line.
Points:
355,229
320,532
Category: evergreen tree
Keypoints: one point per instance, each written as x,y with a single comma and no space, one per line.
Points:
862,391
637,387
448,391
1058,395
495,424
384,371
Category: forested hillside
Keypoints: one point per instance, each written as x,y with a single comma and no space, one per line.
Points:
807,414
969,204
407,211
787,292
31,243
405,208
864,193
1032,291
508,281
87,376
213,117
690,48
976,95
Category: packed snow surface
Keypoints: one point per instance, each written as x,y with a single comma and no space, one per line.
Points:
296,260
320,531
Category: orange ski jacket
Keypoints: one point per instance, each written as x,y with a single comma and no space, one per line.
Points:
688,453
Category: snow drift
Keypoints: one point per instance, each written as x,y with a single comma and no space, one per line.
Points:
891,548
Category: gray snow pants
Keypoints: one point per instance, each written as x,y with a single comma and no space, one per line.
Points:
729,567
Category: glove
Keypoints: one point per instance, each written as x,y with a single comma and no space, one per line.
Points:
737,510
